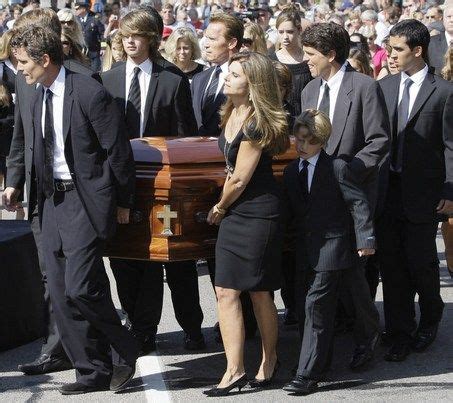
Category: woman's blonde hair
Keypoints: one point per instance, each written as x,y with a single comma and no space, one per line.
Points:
113,41
66,15
257,36
5,45
139,22
266,115
317,124
447,73
186,34
284,78
76,47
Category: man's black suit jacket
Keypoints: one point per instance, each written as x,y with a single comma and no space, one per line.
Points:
427,169
20,164
208,119
360,128
168,108
436,52
98,155
333,221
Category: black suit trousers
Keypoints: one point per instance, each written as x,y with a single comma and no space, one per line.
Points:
320,307
409,265
140,287
90,328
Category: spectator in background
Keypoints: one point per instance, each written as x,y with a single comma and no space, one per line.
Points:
17,11
377,53
360,62
264,16
254,39
72,49
182,49
168,16
114,52
354,23
388,67
370,20
360,42
439,44
68,19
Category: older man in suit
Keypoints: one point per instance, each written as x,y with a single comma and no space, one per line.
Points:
418,178
154,99
355,106
439,44
85,182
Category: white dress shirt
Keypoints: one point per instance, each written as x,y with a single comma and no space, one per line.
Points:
448,38
222,75
60,167
144,78
311,167
417,79
334,84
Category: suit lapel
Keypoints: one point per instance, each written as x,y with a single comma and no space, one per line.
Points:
67,105
294,176
317,175
313,95
391,99
427,88
151,94
341,111
204,84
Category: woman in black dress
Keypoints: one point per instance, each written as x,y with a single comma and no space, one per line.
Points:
248,248
291,55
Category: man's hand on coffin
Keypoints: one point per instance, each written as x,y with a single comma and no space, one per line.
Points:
214,216
9,199
122,215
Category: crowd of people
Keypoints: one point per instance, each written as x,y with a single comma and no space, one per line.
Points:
364,87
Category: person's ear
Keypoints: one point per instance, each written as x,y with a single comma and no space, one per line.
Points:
45,60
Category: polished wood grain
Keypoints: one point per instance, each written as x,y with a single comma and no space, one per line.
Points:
186,174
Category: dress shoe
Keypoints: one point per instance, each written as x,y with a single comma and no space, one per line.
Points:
264,383
194,343
363,354
398,352
147,342
290,318
217,392
424,338
44,365
301,386
386,339
77,388
121,376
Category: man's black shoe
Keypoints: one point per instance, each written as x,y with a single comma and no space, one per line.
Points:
194,344
44,365
121,376
147,342
386,339
424,338
290,318
77,388
363,354
398,352
301,386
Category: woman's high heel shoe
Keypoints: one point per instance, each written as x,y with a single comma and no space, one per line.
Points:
239,383
264,383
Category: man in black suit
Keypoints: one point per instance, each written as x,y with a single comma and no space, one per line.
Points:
439,44
154,99
360,138
85,183
52,356
93,32
322,200
419,183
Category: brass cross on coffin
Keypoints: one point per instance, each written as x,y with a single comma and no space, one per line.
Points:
167,215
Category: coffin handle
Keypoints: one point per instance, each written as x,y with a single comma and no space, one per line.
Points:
201,217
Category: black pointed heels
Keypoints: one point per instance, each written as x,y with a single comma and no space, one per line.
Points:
238,383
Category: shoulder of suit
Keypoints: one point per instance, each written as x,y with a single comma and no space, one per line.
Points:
291,165
84,83
202,74
361,79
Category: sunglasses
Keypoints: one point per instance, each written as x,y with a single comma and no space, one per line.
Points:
65,43
247,41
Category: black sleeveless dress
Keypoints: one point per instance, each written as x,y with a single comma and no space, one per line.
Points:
249,244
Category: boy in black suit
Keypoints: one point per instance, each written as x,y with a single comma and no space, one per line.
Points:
333,221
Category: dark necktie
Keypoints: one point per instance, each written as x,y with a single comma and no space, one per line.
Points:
398,140
211,92
303,178
133,108
324,105
48,185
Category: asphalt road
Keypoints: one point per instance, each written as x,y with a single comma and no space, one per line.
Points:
425,376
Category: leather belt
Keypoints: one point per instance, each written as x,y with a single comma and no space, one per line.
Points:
62,185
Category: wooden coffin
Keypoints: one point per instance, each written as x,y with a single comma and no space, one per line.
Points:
178,181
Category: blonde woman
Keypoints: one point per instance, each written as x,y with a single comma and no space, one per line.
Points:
254,39
68,19
182,49
71,48
248,248
114,52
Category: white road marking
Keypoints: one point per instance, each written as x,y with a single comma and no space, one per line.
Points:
151,372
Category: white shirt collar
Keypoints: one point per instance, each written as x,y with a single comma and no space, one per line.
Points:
146,66
336,79
312,161
448,38
417,78
57,86
224,68
10,66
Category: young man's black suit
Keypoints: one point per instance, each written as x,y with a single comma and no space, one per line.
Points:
326,249
407,229
438,46
76,223
360,137
168,112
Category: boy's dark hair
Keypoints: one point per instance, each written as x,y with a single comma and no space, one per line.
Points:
328,36
416,34
39,41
